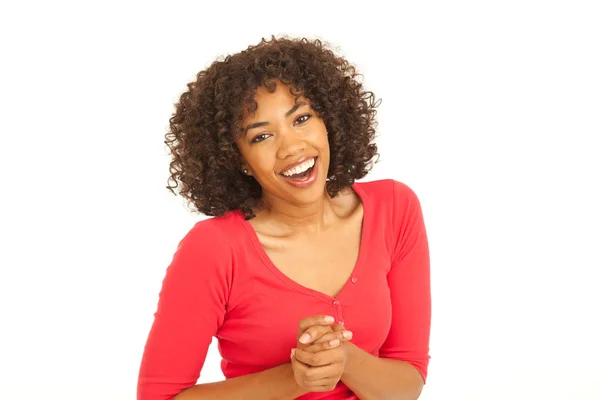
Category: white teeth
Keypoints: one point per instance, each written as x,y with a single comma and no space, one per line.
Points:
300,168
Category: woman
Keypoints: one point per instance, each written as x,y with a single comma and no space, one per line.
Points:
270,142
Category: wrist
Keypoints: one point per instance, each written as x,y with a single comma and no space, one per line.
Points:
351,350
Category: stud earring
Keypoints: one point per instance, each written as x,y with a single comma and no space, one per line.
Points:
245,171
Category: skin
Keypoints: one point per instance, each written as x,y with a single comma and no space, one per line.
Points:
266,151
320,357
305,215
269,149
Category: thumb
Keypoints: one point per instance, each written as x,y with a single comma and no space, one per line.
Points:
337,327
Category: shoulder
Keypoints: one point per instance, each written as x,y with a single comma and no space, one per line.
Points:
388,189
213,229
207,240
393,200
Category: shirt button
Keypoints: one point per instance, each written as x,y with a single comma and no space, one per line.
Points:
353,279
336,303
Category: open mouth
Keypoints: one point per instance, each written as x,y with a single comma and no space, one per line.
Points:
301,175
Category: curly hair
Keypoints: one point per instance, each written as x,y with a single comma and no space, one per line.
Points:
206,121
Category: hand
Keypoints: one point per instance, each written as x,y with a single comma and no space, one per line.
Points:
315,330
319,363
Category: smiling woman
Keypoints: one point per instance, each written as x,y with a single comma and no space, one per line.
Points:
287,149
303,89
316,286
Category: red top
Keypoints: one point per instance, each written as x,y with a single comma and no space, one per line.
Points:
222,283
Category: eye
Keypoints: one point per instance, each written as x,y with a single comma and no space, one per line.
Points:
259,138
300,118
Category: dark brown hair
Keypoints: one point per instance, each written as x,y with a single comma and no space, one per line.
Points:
205,158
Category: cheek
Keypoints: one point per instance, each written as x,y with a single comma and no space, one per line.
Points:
324,143
263,161
323,136
265,166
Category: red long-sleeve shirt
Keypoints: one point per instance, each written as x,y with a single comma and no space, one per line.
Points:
222,283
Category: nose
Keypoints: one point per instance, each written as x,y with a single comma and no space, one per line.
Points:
290,144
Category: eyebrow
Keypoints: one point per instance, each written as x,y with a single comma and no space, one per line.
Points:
287,114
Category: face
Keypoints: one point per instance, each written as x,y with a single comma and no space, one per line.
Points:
281,133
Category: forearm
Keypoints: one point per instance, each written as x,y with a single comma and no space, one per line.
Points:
371,377
276,383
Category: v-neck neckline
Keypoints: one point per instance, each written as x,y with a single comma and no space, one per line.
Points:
362,252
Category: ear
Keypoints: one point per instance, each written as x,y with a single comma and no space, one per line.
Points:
245,170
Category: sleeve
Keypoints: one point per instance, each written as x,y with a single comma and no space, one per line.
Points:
191,307
409,283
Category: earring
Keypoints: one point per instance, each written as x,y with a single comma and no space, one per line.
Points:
245,171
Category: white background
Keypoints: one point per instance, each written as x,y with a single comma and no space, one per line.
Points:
490,112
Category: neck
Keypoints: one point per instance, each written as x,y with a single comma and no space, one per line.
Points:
310,218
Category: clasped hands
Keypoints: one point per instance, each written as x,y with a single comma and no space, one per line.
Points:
320,356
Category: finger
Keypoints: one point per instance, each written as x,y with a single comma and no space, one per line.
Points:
316,375
343,336
313,333
319,359
318,379
331,341
337,327
299,367
305,323
316,348
325,388
324,383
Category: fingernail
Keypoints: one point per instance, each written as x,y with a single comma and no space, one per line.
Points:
334,342
292,353
347,334
329,319
304,338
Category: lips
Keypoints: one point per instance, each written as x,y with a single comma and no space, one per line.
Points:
305,181
300,161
